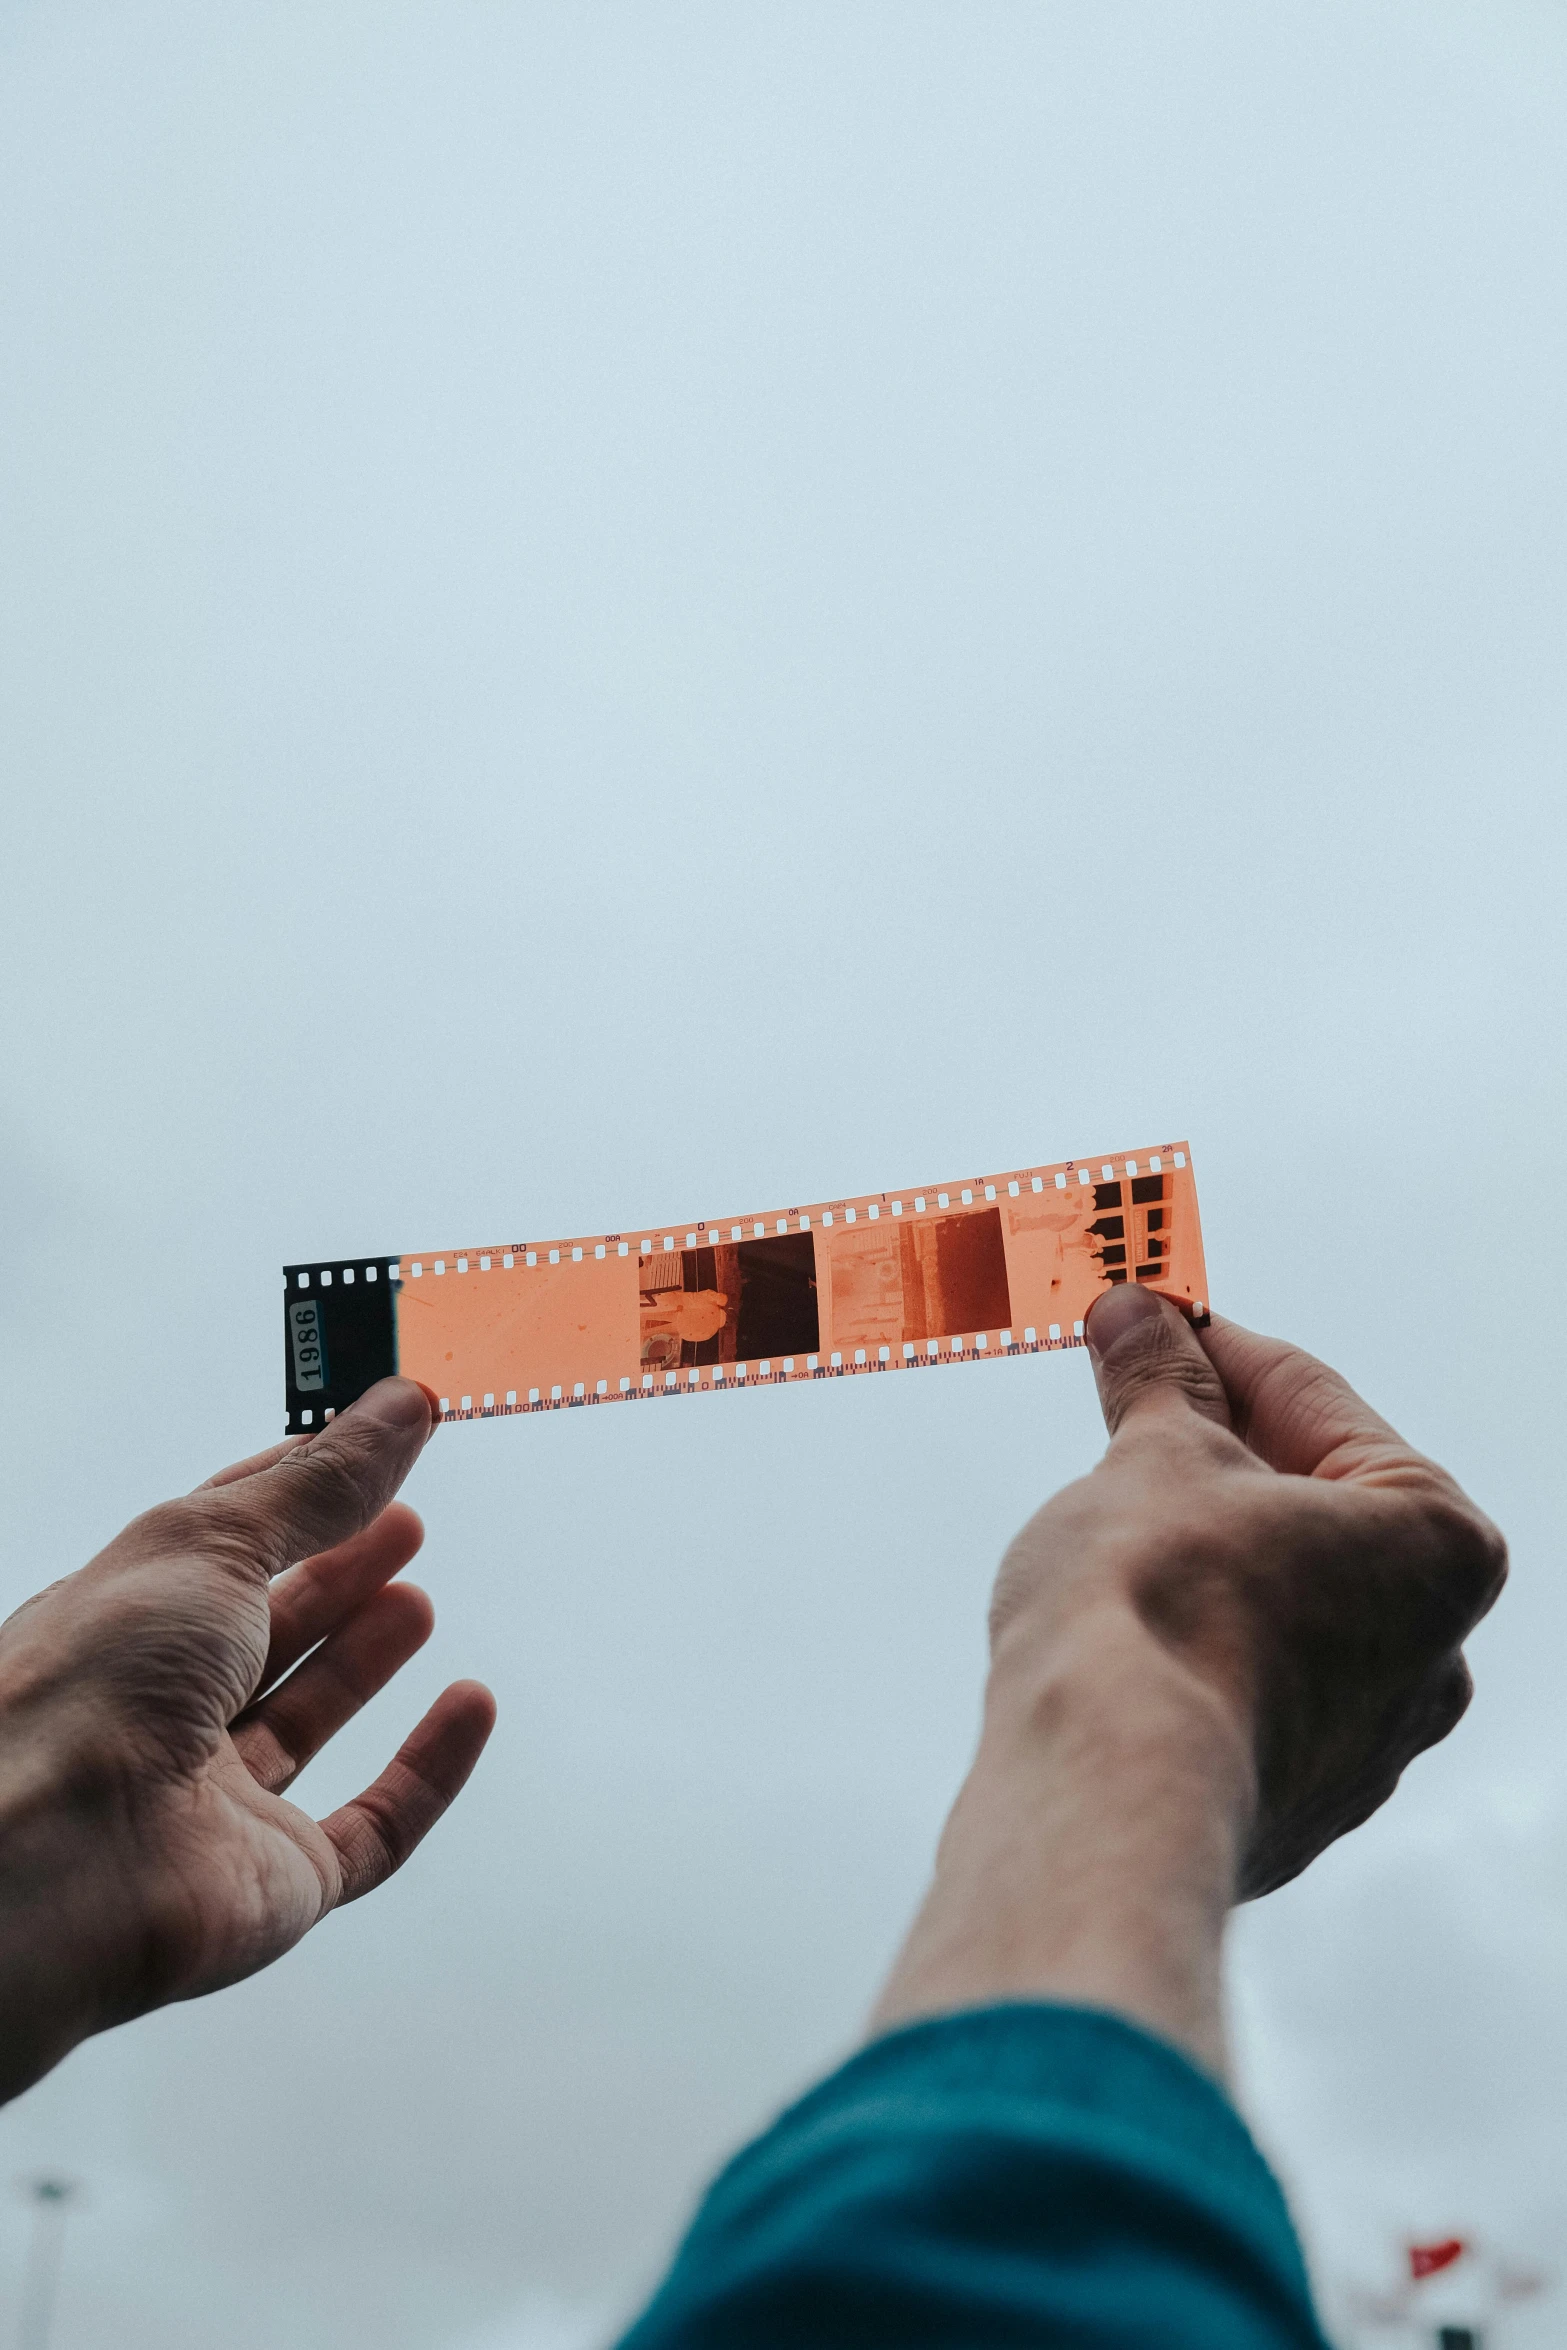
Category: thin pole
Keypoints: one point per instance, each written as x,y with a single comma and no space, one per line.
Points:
41,2283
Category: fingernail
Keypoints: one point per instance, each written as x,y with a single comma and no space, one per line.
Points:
397,1403
1111,1316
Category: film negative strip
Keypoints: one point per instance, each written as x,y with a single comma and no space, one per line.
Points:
960,1272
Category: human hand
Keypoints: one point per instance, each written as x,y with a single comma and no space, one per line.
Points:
1209,1657
155,1706
1274,1534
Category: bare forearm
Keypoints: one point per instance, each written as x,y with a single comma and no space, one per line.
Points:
1093,1851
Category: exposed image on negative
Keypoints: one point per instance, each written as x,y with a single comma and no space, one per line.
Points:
925,1277
738,1301
1132,1223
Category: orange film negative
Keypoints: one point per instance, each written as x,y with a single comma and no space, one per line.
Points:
890,1281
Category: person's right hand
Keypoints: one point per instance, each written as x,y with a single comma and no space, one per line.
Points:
1209,1657
1277,1537
156,1706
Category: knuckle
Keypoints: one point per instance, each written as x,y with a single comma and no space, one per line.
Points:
169,1527
269,1752
1162,1362
1437,1709
1160,1375
331,1480
376,1840
1452,1700
311,1499
1472,1552
1299,1394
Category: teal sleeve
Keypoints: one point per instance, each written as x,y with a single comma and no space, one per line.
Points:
1014,2175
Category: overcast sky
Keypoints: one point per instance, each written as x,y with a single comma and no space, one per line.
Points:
628,612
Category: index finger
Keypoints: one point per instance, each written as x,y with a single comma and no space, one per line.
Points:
316,1495
319,1594
1303,1418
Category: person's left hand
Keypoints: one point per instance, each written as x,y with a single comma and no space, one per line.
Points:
156,1706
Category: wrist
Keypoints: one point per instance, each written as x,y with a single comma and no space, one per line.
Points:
1105,1698
54,1902
1093,1852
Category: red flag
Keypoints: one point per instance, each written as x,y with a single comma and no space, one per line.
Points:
1426,2259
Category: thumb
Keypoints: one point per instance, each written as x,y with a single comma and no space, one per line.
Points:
316,1495
1146,1356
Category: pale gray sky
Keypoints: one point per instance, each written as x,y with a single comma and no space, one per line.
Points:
616,612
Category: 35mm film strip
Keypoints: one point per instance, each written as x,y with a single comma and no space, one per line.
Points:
889,1281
